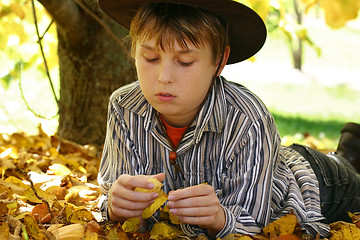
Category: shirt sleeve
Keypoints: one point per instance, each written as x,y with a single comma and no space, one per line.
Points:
119,155
246,188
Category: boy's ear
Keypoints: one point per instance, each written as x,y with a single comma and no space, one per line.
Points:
224,60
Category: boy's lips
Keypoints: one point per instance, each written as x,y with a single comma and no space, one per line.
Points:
165,97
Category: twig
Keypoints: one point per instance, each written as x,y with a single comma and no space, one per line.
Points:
42,199
107,29
42,53
47,29
26,103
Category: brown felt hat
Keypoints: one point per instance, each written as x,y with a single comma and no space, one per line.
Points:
247,31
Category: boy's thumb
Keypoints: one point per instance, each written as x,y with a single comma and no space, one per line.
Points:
160,176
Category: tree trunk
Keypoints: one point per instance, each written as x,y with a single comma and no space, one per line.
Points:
297,44
92,65
297,53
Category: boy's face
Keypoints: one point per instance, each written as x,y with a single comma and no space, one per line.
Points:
174,81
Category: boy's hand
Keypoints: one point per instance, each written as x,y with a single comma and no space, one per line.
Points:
124,202
198,205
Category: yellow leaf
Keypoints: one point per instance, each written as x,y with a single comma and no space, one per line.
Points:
53,152
173,218
16,181
344,231
3,209
18,10
84,215
238,236
261,7
131,225
89,235
13,207
12,187
4,230
72,231
59,169
159,201
31,225
163,230
29,195
75,214
156,188
116,233
338,12
282,226
5,192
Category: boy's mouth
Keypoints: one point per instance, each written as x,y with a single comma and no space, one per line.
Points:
165,96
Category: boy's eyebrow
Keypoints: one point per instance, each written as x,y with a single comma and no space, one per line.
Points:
182,51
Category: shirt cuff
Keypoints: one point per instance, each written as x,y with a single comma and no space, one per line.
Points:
103,206
229,224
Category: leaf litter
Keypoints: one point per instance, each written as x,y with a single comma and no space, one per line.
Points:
48,190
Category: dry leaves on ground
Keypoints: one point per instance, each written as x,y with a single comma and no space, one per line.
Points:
48,190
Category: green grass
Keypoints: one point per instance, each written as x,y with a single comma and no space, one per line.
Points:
290,124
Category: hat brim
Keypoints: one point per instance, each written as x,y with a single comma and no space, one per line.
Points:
247,31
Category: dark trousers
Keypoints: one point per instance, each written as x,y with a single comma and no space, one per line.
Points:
339,184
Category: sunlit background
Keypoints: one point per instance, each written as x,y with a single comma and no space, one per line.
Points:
316,101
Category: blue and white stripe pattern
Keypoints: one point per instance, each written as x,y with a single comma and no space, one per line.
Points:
233,144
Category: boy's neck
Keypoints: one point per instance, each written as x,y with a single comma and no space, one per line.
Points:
174,133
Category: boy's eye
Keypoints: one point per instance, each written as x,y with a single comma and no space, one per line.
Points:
151,59
185,64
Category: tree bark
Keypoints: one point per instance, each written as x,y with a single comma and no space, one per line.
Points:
92,65
297,44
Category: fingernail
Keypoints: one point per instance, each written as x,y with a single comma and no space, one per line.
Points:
151,186
156,195
171,197
171,204
173,211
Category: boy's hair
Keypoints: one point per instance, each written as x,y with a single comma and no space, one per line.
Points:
170,22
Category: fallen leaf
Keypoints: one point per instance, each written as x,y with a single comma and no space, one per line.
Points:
344,231
158,202
131,225
282,226
4,230
173,218
41,213
162,230
116,233
59,169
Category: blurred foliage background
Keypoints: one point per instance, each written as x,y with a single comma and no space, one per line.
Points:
308,72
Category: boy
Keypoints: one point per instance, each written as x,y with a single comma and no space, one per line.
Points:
185,125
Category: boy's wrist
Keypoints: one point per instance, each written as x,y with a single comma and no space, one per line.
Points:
219,223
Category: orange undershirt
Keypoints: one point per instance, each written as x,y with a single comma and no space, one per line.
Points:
174,133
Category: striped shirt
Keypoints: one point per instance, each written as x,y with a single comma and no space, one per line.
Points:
233,145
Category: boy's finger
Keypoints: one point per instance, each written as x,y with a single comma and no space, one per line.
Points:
126,212
131,205
193,191
140,181
132,195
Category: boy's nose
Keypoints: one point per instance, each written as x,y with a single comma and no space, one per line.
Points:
165,73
